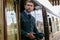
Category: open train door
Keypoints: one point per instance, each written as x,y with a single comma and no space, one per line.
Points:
11,10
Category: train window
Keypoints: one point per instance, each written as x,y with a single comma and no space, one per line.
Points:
11,20
53,18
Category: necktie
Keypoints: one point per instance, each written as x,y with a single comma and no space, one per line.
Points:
29,16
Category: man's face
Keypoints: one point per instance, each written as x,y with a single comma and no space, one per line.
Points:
29,7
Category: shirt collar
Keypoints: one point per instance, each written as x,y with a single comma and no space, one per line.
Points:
27,12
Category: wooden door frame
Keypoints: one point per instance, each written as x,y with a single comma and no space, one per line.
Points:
18,18
5,24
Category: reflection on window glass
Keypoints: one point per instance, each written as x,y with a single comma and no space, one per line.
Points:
11,17
11,25
11,20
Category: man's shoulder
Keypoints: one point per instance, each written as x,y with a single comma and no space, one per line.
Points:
33,17
22,13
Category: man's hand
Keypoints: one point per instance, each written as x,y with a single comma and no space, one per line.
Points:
30,35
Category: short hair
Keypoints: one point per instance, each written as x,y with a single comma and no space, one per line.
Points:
30,1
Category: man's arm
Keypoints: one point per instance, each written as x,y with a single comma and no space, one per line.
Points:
23,32
21,23
35,29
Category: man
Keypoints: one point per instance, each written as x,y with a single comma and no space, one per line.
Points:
28,27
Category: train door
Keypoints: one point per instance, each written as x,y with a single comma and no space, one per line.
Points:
11,13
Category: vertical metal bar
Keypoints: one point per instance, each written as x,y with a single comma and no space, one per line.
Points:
5,24
45,21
